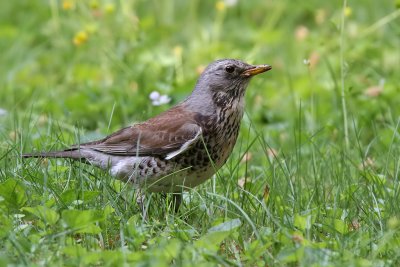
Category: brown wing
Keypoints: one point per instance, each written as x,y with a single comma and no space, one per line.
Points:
167,135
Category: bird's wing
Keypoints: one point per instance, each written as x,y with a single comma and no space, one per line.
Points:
166,135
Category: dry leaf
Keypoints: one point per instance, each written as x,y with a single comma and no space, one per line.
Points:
266,193
354,225
241,182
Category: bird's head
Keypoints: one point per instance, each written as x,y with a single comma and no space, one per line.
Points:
226,80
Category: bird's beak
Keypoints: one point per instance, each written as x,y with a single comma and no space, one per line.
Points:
254,70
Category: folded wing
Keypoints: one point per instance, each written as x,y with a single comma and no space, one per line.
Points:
166,135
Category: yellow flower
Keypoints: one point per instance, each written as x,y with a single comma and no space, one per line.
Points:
68,4
348,11
220,6
109,8
80,38
178,50
94,4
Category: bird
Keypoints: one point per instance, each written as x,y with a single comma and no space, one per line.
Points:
181,147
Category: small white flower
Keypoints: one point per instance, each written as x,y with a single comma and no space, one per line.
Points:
77,202
164,99
157,99
154,95
306,62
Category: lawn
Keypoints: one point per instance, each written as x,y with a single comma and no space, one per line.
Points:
313,179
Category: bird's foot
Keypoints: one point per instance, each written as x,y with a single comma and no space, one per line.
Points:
141,202
176,201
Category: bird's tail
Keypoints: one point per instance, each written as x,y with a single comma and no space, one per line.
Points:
72,154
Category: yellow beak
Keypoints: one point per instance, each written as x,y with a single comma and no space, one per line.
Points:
254,70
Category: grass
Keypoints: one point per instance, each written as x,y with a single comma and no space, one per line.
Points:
314,177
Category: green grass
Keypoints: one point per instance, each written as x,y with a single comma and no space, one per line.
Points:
329,196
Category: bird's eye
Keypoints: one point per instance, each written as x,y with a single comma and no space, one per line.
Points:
230,69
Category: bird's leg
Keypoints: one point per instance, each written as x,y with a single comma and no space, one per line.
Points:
141,200
176,201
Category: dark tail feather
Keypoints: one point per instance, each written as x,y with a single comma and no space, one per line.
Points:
72,154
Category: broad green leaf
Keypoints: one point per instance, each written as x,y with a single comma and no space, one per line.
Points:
71,195
44,213
171,249
59,169
300,222
75,251
303,222
211,241
256,249
82,221
88,196
340,226
164,251
226,226
185,234
88,229
13,194
114,258
5,226
68,196
290,254
108,210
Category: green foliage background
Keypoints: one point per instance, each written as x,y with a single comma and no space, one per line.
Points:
313,181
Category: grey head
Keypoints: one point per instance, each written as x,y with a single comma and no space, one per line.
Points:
223,79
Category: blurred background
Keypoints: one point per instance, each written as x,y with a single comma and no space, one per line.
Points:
94,64
313,179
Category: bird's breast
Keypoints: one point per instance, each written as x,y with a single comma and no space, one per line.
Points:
220,132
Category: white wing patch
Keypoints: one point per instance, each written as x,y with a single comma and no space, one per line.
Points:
185,146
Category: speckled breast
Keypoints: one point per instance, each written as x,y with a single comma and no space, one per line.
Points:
220,133
204,158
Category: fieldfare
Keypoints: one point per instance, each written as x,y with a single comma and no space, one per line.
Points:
182,147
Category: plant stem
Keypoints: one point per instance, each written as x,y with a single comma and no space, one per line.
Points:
342,74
